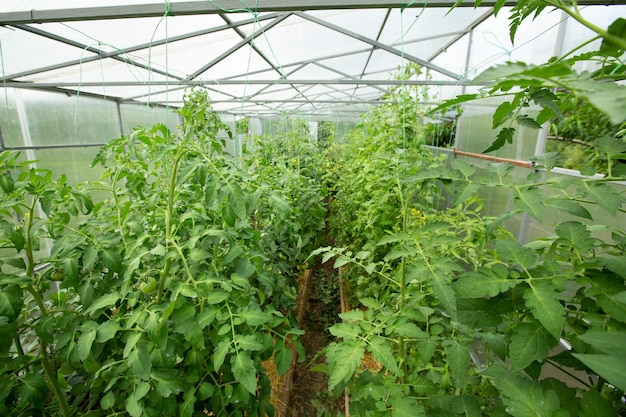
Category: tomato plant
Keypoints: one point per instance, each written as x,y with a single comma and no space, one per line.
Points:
461,318
168,302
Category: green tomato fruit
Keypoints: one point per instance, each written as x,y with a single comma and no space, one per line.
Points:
57,275
148,286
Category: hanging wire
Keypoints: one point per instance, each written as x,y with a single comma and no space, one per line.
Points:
168,9
6,93
87,48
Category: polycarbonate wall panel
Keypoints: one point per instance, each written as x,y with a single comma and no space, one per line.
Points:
56,119
136,115
475,133
9,121
545,227
75,163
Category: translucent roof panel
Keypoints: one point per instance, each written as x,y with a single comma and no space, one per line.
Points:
270,56
23,51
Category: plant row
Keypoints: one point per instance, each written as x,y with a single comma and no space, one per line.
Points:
162,290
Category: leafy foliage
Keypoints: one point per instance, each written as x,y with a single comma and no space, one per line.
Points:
461,318
567,97
168,300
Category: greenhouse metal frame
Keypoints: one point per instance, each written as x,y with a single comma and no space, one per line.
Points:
243,71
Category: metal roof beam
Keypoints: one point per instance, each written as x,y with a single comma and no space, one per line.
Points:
257,50
459,36
317,60
230,82
99,53
238,45
141,46
379,45
371,54
184,8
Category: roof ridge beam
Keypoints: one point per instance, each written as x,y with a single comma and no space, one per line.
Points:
17,84
184,8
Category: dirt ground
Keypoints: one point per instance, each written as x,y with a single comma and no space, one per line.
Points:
309,391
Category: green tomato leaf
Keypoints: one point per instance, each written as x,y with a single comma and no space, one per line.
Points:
443,291
254,317
608,367
108,401
612,343
528,343
604,288
33,390
216,297
487,281
247,342
11,302
406,407
341,261
282,357
458,357
221,350
106,331
501,114
244,371
187,407
141,389
523,397
610,147
593,405
105,301
406,329
530,200
343,360
140,363
6,183
111,259
466,405
89,331
615,264
607,97
603,195
228,214
541,299
345,330
205,318
352,315
459,99
548,160
515,254
568,206
527,121
462,191
575,234
504,136
133,407
18,240
167,382
70,268
380,349
618,29
466,169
